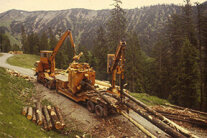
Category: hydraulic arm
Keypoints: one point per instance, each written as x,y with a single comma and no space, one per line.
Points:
45,68
116,64
56,49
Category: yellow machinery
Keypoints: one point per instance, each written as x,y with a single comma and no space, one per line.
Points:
71,84
45,68
115,65
77,82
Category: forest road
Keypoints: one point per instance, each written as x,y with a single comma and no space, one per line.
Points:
4,64
79,118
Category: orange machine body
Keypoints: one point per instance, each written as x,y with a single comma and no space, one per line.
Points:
45,68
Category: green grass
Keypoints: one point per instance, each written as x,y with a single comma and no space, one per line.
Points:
149,100
24,60
14,94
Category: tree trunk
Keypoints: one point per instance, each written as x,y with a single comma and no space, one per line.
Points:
34,119
54,117
138,125
157,122
24,110
39,113
47,118
161,117
29,115
182,108
44,123
59,114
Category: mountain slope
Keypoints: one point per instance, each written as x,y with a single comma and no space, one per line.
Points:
147,21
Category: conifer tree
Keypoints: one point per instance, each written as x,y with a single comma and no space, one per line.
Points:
23,39
134,64
161,69
116,26
100,54
44,42
52,40
202,41
4,43
187,86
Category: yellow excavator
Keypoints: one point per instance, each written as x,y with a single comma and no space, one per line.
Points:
45,68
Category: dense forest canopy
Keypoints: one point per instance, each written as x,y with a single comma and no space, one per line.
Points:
166,52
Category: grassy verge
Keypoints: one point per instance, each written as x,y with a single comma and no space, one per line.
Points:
149,100
1,54
24,60
14,94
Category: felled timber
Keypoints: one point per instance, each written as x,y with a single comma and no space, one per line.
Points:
182,108
138,125
60,117
54,117
161,117
47,118
157,122
24,110
29,115
44,123
34,118
123,113
185,118
39,113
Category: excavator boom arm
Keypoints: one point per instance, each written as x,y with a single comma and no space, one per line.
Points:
118,56
60,42
118,63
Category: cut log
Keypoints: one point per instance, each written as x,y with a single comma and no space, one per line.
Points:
182,108
60,117
138,125
164,127
161,117
54,117
29,115
194,121
191,118
24,110
123,113
47,118
39,113
44,123
34,118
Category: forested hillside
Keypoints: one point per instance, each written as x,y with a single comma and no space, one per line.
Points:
166,52
147,22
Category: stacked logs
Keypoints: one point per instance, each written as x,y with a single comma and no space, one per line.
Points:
46,116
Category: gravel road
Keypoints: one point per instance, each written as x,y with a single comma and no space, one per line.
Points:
79,117
4,64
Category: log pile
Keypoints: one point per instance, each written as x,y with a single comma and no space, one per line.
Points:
46,116
16,52
17,74
183,115
162,123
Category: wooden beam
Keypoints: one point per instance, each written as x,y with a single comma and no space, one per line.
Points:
161,117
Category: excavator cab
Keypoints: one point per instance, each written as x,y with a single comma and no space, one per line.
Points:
44,56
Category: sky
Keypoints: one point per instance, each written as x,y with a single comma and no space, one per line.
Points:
34,5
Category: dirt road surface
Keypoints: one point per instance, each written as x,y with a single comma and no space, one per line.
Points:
4,64
78,117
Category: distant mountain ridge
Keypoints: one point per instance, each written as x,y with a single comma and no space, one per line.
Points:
146,21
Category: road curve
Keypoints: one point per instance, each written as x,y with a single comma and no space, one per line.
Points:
4,64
